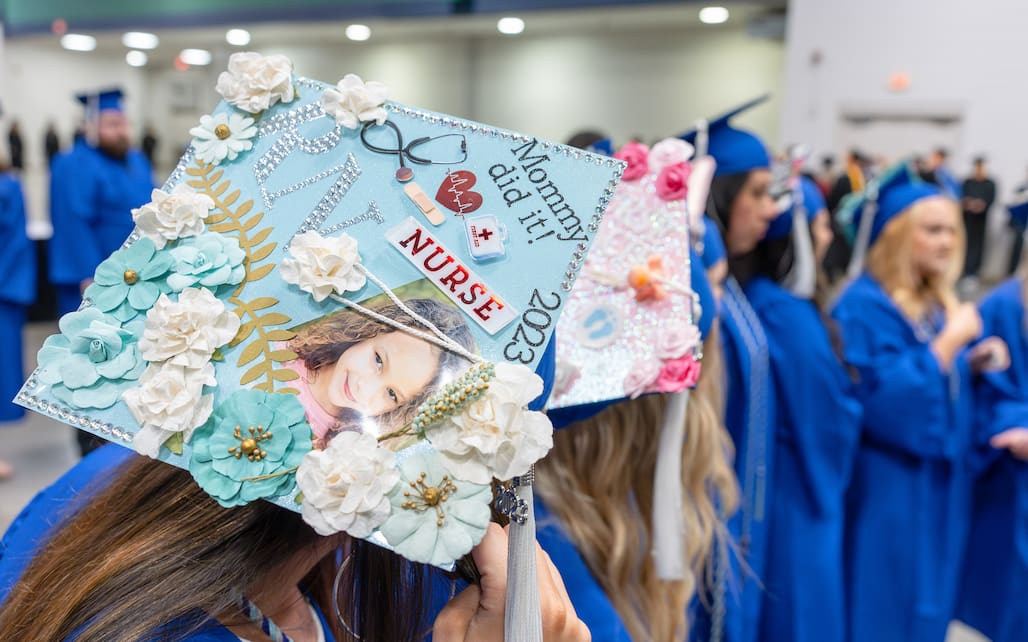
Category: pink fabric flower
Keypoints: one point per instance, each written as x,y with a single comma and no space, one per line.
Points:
678,374
641,377
673,182
676,342
635,154
669,151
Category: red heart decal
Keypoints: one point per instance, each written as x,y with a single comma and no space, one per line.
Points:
455,192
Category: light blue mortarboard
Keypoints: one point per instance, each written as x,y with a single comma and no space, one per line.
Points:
735,150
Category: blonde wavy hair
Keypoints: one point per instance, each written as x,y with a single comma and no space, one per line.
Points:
598,481
889,262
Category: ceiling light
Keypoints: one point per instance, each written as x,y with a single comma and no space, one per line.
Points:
237,37
510,26
713,15
195,57
78,42
139,40
136,58
359,33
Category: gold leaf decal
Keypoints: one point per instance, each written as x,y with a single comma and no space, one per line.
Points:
282,355
257,333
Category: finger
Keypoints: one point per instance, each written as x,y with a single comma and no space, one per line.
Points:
451,625
491,558
1009,438
549,574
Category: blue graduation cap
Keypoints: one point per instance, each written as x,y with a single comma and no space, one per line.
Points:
735,150
806,196
603,146
103,100
883,199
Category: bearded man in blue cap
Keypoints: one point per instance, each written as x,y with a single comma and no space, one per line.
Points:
93,189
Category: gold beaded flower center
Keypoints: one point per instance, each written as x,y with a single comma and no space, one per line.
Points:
423,497
222,131
131,277
250,446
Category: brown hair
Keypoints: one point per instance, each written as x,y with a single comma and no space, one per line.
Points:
152,548
889,262
321,344
598,481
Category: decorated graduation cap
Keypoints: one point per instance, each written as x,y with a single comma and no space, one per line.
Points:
735,150
630,326
883,199
337,302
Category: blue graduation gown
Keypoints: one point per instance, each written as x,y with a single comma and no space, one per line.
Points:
591,604
31,528
907,507
17,291
817,432
749,417
91,199
995,580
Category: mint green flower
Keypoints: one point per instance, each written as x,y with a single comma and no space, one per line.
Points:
250,434
93,360
435,519
130,280
208,260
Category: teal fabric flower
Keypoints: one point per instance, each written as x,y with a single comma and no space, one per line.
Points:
435,519
208,260
130,280
93,360
251,434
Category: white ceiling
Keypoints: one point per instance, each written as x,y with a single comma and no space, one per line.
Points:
654,18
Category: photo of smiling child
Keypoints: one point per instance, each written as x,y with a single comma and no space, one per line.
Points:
357,373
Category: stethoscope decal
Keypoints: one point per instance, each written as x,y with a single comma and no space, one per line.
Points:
401,151
405,174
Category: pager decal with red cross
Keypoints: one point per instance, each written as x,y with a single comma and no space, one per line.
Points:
485,237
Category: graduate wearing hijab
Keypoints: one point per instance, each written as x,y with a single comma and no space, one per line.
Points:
740,201
93,189
625,501
995,578
817,428
906,334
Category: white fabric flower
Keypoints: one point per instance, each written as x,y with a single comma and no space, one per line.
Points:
322,266
169,399
353,101
676,342
496,436
254,82
669,151
346,486
222,136
188,331
170,216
